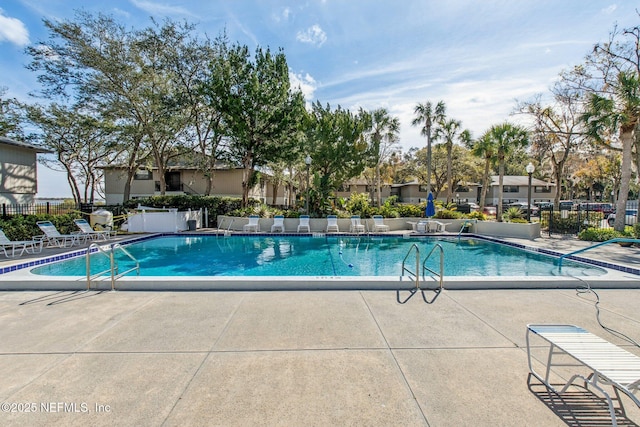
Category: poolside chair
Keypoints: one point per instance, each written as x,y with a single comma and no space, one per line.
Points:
378,224
28,246
90,233
356,225
52,236
304,223
332,224
278,223
253,224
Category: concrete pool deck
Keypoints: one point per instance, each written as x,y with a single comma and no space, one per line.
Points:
298,358
292,358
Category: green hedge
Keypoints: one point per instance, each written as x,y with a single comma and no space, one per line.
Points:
23,227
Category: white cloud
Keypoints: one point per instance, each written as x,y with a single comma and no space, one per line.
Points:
306,83
13,30
282,16
160,9
314,35
609,10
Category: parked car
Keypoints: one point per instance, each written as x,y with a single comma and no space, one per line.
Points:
524,207
605,208
565,205
489,210
630,217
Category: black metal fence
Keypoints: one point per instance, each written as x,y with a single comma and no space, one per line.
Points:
49,208
571,221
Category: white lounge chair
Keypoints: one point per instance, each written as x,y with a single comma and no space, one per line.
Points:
356,225
52,236
90,233
605,363
253,225
278,223
378,224
29,246
332,224
304,223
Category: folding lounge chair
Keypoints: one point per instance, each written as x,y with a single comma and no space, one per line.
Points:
253,224
304,223
356,225
85,228
52,236
332,224
278,223
29,246
378,224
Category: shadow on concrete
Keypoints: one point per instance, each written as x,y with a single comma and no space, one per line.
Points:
61,297
578,406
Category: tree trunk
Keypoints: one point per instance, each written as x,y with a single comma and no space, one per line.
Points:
627,137
449,177
486,183
500,187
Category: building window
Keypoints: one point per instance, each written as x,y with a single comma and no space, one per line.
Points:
546,189
142,175
422,188
510,189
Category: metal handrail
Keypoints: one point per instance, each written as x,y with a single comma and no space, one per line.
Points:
417,272
113,266
441,273
119,275
616,240
99,249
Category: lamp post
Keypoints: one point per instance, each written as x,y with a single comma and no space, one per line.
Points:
307,161
530,169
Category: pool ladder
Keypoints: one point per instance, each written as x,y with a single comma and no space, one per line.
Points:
415,275
113,265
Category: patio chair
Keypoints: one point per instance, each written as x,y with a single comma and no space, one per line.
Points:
253,225
90,233
304,223
278,223
356,225
378,224
29,246
332,224
52,236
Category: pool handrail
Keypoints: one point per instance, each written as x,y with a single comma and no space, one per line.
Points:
435,273
113,265
606,242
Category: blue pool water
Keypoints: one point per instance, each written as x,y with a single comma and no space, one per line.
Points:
319,256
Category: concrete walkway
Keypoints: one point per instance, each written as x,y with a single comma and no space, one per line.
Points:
292,358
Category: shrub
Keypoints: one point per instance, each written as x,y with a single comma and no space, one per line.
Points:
448,214
512,214
477,215
601,234
19,227
358,204
410,210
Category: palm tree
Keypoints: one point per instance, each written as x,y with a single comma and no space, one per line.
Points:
449,131
619,112
505,138
427,115
484,148
384,137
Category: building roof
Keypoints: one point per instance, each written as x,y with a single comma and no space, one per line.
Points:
9,141
520,181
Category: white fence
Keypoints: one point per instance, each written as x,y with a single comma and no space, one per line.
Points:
149,220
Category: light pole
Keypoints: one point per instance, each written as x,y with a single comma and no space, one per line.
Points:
307,161
530,169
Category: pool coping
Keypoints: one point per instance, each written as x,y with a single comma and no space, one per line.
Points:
20,278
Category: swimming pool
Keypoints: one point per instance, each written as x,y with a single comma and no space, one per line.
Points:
244,256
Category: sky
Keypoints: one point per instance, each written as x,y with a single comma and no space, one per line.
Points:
479,57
